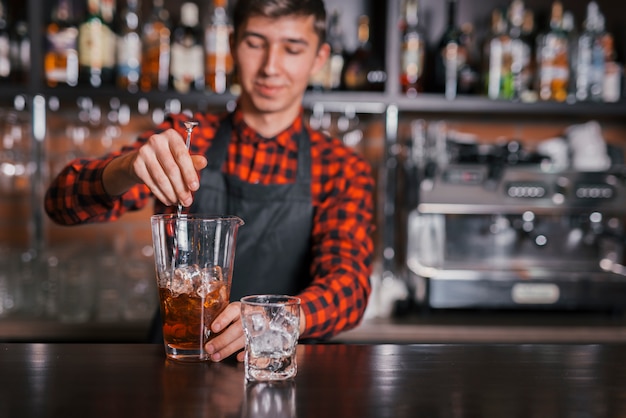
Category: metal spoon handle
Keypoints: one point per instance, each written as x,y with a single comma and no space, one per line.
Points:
189,125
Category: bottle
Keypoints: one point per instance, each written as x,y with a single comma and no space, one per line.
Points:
590,56
155,55
129,48
413,50
613,73
469,72
5,45
358,64
529,71
497,67
569,29
187,61
219,62
451,55
20,52
329,77
336,60
96,44
61,55
553,57
521,51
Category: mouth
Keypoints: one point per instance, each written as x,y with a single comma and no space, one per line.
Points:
267,90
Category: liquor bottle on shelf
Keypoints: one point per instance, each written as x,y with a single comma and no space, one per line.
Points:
61,55
20,52
412,58
451,55
329,77
219,62
5,44
96,44
516,85
155,44
590,56
529,72
336,61
613,72
497,53
569,28
553,58
362,71
129,48
187,60
469,71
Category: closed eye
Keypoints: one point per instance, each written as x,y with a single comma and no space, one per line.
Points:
296,46
254,41
294,50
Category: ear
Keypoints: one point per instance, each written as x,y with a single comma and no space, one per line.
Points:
323,53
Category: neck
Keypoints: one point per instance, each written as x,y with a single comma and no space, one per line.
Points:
268,124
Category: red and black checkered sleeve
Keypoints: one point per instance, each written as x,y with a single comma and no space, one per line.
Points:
342,243
77,194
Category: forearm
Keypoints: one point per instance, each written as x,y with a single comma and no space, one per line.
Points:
78,195
342,251
335,302
342,264
118,176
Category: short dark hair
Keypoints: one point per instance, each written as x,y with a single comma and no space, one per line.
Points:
245,9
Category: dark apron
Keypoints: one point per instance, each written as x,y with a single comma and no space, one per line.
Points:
273,250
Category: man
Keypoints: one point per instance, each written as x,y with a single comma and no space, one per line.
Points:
306,198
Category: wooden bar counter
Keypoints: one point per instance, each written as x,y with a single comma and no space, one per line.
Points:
334,380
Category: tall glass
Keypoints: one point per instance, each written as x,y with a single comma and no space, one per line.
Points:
194,257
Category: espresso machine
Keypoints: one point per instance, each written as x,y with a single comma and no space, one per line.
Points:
499,226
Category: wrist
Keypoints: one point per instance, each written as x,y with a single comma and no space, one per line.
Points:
118,177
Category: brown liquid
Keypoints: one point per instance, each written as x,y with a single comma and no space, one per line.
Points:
187,318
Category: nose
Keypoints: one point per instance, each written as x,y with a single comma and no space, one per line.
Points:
271,64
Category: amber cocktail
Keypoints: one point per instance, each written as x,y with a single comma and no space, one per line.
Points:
194,262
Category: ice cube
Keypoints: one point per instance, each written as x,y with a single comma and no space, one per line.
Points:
272,341
184,279
207,288
283,320
258,322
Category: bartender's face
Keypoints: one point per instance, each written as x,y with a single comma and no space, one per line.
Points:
275,58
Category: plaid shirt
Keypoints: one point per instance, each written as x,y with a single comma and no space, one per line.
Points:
342,195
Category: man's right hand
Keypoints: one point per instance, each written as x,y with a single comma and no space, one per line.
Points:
163,164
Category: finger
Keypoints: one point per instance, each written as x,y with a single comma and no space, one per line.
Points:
151,174
231,314
185,168
160,154
230,339
172,157
199,162
232,347
227,342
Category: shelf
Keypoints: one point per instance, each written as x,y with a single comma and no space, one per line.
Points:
359,102
478,105
354,101
195,99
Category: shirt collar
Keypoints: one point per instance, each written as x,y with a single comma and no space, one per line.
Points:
247,135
